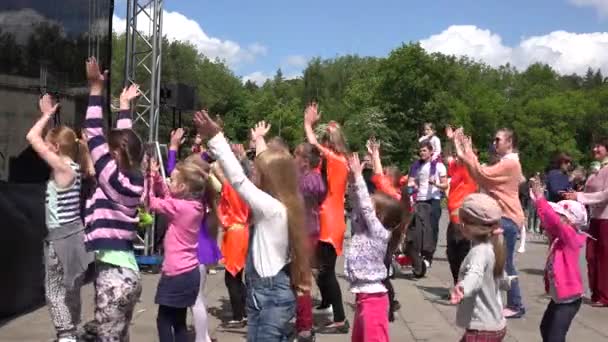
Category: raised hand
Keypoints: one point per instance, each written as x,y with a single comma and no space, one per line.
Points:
47,105
260,130
177,138
536,188
373,147
312,114
95,77
354,164
205,126
154,166
128,94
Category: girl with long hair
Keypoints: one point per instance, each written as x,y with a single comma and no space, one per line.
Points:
332,225
65,258
278,255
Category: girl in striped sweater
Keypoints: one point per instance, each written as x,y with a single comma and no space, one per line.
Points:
65,258
111,216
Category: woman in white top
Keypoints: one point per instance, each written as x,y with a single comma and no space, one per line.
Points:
277,256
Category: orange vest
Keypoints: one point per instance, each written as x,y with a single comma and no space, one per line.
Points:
233,214
331,214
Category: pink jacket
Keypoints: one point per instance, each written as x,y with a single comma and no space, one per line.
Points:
565,250
181,240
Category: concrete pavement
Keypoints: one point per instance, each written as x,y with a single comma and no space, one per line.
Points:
424,316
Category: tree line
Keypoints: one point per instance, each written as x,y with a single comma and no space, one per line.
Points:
391,97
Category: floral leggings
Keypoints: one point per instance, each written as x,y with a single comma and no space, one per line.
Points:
117,290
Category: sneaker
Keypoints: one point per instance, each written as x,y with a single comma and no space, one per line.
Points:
212,271
427,264
324,311
306,336
396,305
234,324
335,328
67,339
512,314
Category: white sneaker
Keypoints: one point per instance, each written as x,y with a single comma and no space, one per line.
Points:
67,339
212,271
326,311
427,264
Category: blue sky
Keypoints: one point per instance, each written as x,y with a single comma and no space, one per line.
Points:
257,37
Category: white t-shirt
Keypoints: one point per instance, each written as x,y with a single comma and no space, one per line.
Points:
425,190
270,242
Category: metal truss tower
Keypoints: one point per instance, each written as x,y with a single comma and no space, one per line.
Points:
143,60
143,66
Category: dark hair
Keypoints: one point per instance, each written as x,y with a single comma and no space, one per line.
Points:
603,141
311,153
559,159
394,215
426,144
129,147
511,136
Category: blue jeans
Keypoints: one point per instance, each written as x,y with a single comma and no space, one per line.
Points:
271,304
511,232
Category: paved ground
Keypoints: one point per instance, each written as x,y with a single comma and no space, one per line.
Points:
423,316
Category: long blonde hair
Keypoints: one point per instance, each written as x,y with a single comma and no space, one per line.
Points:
278,176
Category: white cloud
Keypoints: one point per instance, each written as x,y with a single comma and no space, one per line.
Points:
566,52
296,61
118,24
257,77
177,26
600,5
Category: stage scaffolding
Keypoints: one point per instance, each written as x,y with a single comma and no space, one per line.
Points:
143,66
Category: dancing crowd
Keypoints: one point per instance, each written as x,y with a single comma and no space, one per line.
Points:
284,217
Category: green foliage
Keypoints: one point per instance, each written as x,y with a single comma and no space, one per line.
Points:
390,98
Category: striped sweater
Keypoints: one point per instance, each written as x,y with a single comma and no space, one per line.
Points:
111,213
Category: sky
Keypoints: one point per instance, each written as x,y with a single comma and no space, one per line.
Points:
257,37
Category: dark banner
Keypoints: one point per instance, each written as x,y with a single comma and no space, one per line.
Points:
43,47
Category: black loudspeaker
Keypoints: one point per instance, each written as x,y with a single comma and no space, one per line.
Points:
43,47
179,96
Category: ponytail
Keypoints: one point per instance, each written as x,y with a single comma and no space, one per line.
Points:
500,254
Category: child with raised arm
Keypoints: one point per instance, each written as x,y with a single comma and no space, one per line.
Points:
332,225
65,258
562,222
278,254
182,203
373,220
111,215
